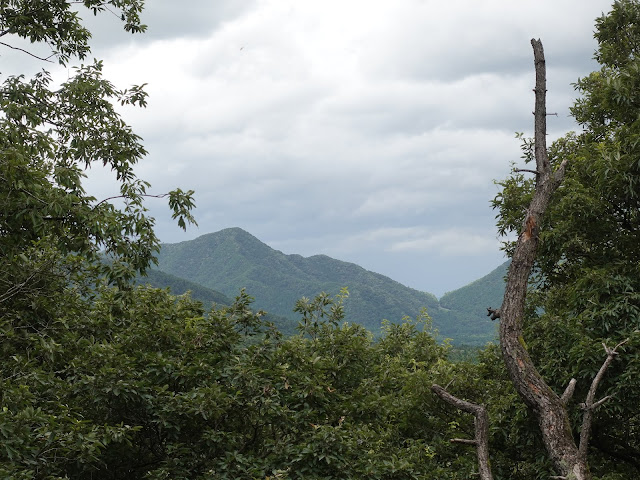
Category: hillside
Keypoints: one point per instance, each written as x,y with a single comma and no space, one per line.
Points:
467,306
232,259
208,297
178,286
473,299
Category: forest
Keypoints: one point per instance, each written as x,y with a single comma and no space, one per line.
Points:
102,378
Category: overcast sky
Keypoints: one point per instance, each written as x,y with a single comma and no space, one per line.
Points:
369,131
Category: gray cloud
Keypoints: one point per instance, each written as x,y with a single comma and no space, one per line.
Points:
165,20
368,131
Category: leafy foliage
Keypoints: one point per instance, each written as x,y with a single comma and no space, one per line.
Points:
160,390
53,235
50,226
57,25
179,286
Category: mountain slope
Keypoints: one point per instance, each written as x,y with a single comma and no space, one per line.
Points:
178,286
466,308
473,299
232,259
208,297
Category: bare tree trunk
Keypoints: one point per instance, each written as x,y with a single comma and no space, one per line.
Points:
547,406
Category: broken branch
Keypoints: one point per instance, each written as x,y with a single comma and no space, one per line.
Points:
481,423
464,441
568,393
589,405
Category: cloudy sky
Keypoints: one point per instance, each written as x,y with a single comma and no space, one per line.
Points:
369,131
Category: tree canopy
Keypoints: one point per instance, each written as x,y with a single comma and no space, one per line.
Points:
49,136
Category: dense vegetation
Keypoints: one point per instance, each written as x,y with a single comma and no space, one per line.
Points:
206,296
178,286
105,380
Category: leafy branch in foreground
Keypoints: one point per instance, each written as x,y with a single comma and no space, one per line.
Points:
50,136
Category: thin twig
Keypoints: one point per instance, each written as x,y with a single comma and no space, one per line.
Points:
125,196
29,53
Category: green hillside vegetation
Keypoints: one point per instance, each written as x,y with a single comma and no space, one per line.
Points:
104,380
473,299
232,259
207,296
179,286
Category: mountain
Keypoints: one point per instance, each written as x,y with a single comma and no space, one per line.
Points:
468,306
208,297
178,286
473,299
232,259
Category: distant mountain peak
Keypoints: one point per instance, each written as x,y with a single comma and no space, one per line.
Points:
233,231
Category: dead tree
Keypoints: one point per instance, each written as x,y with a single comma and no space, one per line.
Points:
548,407
569,457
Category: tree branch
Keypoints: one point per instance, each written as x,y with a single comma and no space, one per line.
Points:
162,195
27,52
481,423
16,288
464,441
558,175
589,405
568,393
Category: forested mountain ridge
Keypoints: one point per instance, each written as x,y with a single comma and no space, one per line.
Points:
207,296
232,259
178,286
